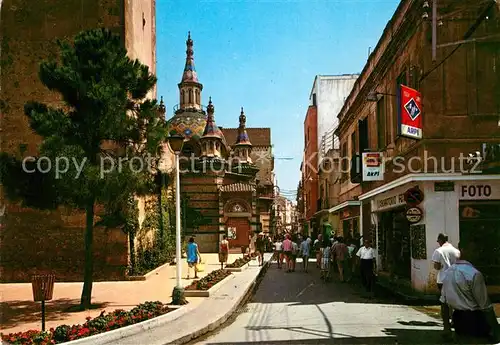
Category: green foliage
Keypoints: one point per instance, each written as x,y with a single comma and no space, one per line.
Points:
163,247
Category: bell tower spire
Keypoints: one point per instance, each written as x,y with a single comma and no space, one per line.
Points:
243,146
189,87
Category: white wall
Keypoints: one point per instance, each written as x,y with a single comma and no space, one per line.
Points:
440,214
331,93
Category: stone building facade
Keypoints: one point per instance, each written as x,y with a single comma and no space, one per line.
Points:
226,173
38,241
460,108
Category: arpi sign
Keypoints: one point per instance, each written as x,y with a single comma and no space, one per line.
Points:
409,113
373,166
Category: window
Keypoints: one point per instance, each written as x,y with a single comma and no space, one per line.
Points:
314,99
487,69
345,162
364,139
381,127
354,147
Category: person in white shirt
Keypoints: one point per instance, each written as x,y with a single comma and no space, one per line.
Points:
305,251
278,251
442,258
366,255
464,290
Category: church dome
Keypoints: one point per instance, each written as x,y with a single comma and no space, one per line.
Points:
190,125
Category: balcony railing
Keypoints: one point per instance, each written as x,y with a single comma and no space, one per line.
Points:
177,107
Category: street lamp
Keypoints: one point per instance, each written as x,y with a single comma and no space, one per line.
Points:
373,96
175,143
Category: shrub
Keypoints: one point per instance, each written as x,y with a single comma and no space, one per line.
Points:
208,281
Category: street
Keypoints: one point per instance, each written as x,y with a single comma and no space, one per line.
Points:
298,308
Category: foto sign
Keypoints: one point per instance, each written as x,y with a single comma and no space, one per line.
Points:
373,166
409,113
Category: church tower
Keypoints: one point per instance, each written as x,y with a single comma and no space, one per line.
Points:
212,141
243,146
189,87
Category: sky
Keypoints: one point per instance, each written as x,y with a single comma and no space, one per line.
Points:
263,56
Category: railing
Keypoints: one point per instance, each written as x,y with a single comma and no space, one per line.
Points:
177,107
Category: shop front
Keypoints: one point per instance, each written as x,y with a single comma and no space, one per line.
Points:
409,213
347,216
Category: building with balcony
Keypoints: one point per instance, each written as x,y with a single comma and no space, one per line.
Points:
428,99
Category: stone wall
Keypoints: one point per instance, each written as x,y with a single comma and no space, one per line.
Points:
34,241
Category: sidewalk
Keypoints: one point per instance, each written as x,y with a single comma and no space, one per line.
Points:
20,313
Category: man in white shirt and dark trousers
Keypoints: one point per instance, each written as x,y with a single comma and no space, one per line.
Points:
464,290
366,255
443,257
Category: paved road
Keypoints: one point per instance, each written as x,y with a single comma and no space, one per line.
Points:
298,308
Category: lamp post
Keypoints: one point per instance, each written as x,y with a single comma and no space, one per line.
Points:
175,143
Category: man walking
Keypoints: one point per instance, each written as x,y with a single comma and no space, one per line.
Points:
305,252
260,247
464,290
443,257
366,255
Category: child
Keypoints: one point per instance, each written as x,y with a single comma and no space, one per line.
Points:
325,261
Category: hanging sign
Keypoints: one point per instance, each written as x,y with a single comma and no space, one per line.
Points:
409,113
414,215
414,196
373,166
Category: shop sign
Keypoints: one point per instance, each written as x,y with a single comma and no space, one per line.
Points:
409,113
390,202
445,186
373,166
414,215
479,191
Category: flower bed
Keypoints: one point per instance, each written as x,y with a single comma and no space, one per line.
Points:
238,263
103,323
201,287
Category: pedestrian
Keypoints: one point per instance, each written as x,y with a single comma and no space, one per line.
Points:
223,251
366,255
340,252
351,262
278,251
287,252
443,257
260,248
318,244
193,257
295,253
464,290
325,260
305,249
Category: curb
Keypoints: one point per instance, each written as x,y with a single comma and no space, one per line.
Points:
147,275
110,336
249,289
207,293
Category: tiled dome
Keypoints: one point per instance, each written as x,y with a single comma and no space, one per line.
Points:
190,125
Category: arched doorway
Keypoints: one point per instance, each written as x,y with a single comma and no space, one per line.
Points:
237,216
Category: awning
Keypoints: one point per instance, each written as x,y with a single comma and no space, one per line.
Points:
344,205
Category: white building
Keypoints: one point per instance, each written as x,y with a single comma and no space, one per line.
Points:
328,94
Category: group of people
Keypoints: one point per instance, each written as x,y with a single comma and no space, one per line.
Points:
465,305
286,248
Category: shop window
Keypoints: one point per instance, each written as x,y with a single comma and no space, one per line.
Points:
480,235
394,243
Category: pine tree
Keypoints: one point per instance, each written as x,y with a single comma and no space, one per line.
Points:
104,94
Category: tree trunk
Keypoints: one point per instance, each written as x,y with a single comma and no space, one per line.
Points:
131,243
85,301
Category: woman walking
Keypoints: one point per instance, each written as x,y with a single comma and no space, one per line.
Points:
223,251
340,252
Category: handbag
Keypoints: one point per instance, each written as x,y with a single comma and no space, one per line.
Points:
200,267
